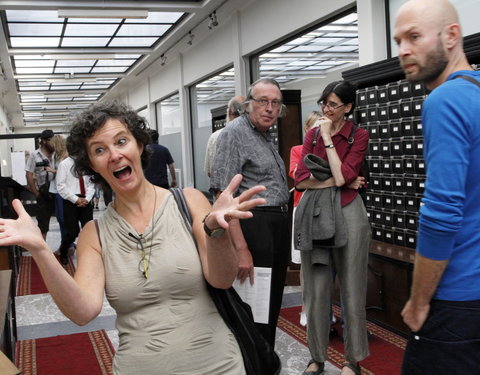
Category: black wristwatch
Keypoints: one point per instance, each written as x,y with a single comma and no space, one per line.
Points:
213,233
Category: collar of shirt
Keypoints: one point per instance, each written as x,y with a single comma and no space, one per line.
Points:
267,135
346,130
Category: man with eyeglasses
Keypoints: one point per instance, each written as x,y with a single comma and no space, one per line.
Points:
39,174
245,146
443,310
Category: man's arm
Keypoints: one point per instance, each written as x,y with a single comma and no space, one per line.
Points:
426,276
171,168
31,183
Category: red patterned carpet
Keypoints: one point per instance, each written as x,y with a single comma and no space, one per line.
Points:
29,278
88,353
386,348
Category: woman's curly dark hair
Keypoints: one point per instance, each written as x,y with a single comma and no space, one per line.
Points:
92,119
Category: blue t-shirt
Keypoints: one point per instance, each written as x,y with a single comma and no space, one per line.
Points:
449,224
156,172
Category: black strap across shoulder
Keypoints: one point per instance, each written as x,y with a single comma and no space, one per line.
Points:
469,79
182,204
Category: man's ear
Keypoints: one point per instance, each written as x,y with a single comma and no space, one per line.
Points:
452,36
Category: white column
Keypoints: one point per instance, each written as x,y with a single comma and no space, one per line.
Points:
372,33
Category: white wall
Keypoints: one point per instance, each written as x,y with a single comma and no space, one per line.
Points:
5,145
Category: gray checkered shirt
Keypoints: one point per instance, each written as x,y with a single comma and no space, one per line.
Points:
241,148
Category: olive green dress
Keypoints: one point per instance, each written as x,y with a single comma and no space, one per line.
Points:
167,323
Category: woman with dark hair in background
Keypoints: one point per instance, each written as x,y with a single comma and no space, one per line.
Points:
340,148
143,256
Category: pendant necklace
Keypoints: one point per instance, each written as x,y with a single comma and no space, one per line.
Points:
144,263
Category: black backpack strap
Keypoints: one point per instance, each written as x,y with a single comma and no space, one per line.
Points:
183,208
469,79
351,137
315,137
182,204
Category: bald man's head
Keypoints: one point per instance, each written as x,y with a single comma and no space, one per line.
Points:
435,13
429,37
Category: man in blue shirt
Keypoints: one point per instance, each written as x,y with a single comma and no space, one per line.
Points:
156,172
444,307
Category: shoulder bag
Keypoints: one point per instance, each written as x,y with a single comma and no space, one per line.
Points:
258,355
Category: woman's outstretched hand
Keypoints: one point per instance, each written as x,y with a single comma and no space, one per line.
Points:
23,231
226,207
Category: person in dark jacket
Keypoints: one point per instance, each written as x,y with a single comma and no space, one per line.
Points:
156,172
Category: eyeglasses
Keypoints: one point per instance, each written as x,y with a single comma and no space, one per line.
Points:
264,102
144,263
331,105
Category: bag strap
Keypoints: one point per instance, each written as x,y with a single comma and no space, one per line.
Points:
468,78
182,205
315,137
351,137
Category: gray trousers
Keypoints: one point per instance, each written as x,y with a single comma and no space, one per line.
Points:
350,263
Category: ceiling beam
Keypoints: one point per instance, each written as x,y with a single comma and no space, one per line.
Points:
152,6
76,76
79,51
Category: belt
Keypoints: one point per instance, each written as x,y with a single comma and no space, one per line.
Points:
80,195
283,208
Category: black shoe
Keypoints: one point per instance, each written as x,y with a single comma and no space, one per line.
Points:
355,367
321,367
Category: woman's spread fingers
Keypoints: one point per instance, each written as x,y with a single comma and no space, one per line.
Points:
248,194
234,184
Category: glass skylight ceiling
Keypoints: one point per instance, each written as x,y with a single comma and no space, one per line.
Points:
62,65
314,54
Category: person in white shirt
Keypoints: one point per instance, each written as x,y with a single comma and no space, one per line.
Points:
77,193
235,108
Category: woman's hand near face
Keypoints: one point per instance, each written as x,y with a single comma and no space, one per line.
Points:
226,207
325,125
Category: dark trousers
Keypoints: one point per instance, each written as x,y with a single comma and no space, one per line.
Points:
59,213
448,343
72,216
107,195
45,209
267,236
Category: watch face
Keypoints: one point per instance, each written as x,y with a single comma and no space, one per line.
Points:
217,232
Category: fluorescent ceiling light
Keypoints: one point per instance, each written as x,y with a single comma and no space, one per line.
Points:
102,13
68,95
80,56
71,80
